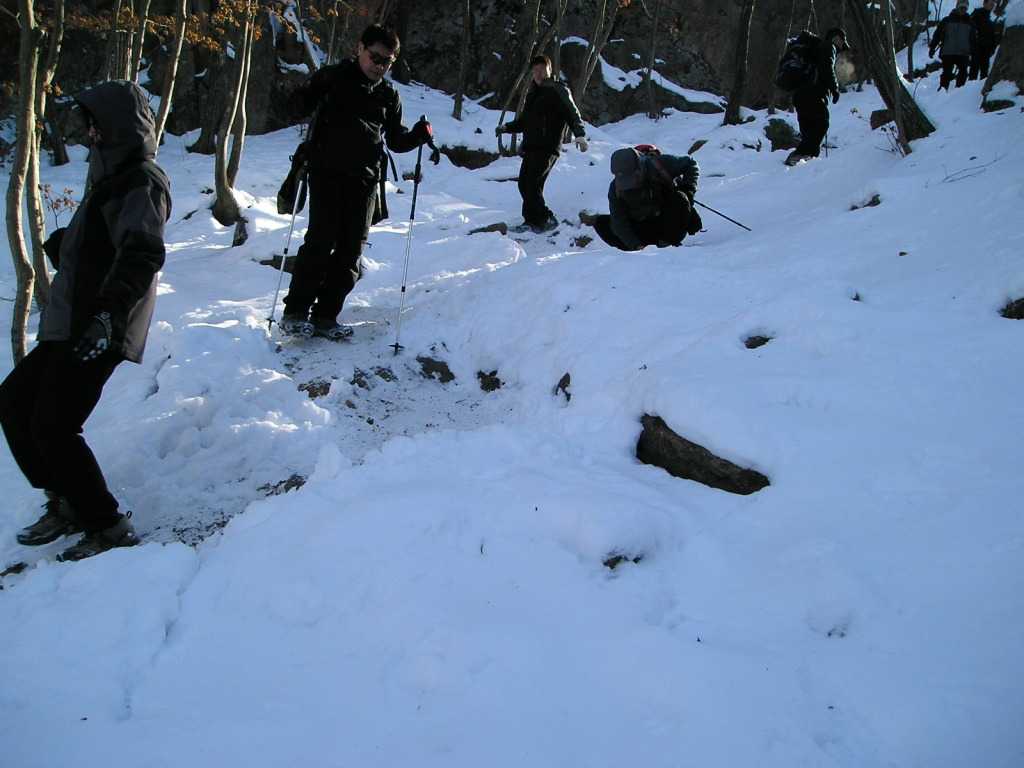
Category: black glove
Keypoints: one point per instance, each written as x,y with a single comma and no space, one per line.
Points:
688,192
835,97
96,339
52,246
695,224
423,132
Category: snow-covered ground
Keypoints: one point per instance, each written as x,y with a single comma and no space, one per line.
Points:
435,593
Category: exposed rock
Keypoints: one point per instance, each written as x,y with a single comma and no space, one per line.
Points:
781,134
615,559
489,382
1014,310
469,158
880,117
563,387
435,369
661,447
753,342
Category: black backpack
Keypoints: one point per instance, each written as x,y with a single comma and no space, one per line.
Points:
795,65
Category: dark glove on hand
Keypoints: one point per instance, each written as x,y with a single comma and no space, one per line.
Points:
695,224
96,339
423,132
52,246
835,97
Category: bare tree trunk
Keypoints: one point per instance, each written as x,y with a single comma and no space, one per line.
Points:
241,116
604,20
115,21
139,41
172,72
732,109
28,63
648,83
36,211
460,90
911,122
225,205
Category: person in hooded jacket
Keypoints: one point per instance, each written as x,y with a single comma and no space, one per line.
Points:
650,200
98,314
954,40
547,111
811,96
357,110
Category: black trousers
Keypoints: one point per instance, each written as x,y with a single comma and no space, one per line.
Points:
949,64
667,228
327,265
812,117
44,402
533,173
979,64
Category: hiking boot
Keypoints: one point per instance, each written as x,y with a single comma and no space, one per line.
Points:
296,325
329,329
588,218
548,224
121,534
57,521
795,158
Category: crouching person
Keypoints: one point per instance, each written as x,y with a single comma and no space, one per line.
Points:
650,200
98,314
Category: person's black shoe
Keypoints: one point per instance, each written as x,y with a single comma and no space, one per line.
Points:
329,329
296,325
121,534
58,520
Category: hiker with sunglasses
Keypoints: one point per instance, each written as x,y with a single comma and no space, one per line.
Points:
357,112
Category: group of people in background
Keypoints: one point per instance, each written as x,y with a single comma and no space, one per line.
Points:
965,43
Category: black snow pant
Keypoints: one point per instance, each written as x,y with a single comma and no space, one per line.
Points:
44,402
979,64
949,64
667,228
327,266
533,173
812,116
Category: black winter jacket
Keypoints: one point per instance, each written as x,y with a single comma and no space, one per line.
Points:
356,117
954,36
822,79
636,205
547,111
113,246
984,30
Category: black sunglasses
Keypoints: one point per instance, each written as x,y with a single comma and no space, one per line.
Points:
380,61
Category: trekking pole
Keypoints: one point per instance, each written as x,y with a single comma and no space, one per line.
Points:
408,241
287,243
698,202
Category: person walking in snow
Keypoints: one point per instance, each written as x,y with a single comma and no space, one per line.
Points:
985,40
810,97
650,200
98,314
547,111
358,110
954,40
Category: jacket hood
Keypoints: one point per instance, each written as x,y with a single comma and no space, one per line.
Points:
122,114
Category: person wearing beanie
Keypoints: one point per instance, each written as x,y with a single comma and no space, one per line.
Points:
954,40
650,200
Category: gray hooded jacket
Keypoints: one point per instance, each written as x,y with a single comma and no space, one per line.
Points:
113,247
